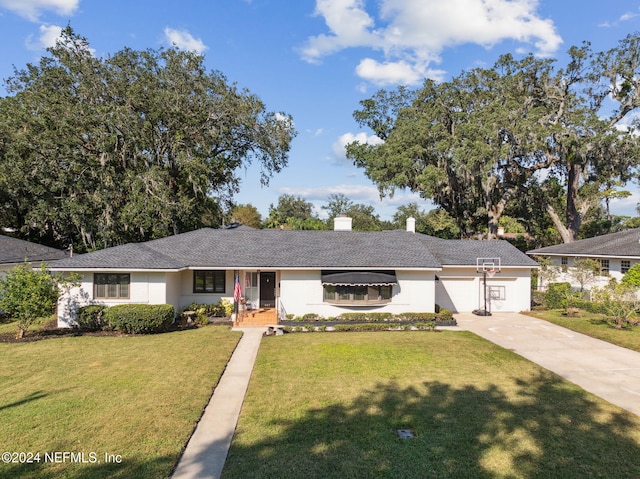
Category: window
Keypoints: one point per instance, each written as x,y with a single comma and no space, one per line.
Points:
358,287
111,285
209,281
625,265
604,267
564,264
357,294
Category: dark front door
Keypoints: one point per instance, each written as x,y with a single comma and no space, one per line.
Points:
267,290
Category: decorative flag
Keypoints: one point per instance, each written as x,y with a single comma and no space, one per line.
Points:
237,290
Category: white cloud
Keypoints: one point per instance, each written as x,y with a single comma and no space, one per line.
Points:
411,34
339,146
32,9
625,17
393,73
183,40
315,133
629,16
49,34
349,24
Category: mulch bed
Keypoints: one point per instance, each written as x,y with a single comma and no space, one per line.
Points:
51,330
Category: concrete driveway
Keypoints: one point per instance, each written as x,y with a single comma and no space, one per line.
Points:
609,371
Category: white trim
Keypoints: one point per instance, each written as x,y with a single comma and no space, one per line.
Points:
537,266
119,270
586,255
251,268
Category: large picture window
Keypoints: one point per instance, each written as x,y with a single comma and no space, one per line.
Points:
111,285
358,287
209,281
370,294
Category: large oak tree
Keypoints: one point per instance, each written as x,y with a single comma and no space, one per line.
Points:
490,136
134,146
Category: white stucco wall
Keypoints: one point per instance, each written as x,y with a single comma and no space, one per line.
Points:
301,292
615,271
184,281
145,288
462,290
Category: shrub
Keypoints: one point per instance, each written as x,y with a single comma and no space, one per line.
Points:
538,299
226,306
311,317
221,309
27,294
557,294
427,326
91,318
352,317
590,306
362,327
632,276
621,303
417,316
140,318
445,315
365,317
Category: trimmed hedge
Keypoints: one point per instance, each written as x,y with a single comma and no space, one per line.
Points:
364,327
557,294
373,317
91,317
365,317
140,318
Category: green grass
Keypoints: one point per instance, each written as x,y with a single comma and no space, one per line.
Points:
11,326
136,397
328,406
593,325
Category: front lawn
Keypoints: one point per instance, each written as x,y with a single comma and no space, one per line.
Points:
329,406
593,325
131,400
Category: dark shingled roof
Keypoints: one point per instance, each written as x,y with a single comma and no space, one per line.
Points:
14,251
467,252
249,248
621,245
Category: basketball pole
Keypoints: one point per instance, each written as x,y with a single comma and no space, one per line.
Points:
485,311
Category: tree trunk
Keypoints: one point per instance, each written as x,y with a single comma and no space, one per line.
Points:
574,219
565,234
495,212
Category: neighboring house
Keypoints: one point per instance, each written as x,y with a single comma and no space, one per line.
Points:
299,272
616,253
15,251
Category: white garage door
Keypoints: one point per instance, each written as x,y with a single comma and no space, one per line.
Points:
503,295
457,294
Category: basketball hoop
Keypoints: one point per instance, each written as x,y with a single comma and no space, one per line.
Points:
488,267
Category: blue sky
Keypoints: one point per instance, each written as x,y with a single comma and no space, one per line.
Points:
316,59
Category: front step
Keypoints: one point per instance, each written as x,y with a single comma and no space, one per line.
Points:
256,318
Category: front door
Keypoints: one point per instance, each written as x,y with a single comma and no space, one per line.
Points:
267,290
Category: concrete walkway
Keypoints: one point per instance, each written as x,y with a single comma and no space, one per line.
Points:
609,371
207,449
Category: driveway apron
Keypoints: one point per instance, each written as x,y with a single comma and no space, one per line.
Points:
606,370
207,449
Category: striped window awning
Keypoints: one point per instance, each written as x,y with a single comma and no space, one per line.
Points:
359,278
